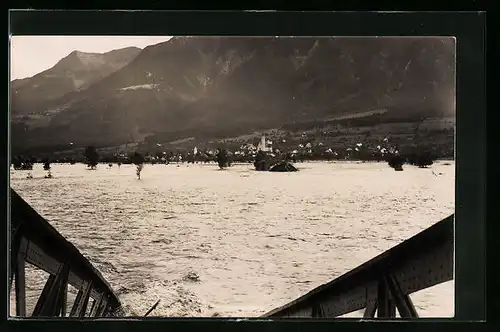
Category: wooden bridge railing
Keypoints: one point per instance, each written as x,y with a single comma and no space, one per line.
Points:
384,283
35,241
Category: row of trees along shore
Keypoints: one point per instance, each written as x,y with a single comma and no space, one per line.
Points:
92,157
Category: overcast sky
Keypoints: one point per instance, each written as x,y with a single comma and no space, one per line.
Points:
31,55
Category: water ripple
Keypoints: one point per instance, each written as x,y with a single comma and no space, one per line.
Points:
255,242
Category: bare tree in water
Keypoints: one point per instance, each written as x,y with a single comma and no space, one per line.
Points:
138,160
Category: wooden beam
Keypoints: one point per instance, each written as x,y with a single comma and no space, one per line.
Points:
385,307
97,306
64,299
102,310
317,311
52,304
84,300
420,262
94,302
370,309
105,310
47,249
20,286
43,296
402,301
76,304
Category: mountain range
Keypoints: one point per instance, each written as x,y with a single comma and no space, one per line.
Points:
216,87
76,72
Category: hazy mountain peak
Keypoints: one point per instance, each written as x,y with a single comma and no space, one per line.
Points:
77,71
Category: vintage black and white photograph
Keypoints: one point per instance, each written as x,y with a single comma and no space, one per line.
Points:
189,176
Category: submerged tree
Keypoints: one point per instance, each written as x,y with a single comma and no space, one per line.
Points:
283,166
222,158
17,163
91,156
138,160
23,163
27,165
396,162
424,160
261,163
46,167
46,164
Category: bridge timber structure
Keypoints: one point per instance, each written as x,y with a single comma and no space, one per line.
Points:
380,286
385,282
33,240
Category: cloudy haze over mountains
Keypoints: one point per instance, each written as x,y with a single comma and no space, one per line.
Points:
227,86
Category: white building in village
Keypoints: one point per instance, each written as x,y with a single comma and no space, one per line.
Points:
265,145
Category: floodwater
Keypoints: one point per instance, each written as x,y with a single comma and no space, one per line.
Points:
236,242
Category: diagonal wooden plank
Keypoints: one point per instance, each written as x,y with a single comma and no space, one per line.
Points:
43,296
370,310
97,306
403,301
52,303
84,300
76,304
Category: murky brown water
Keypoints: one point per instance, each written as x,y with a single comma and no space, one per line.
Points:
255,239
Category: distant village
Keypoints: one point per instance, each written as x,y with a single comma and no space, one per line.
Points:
385,151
